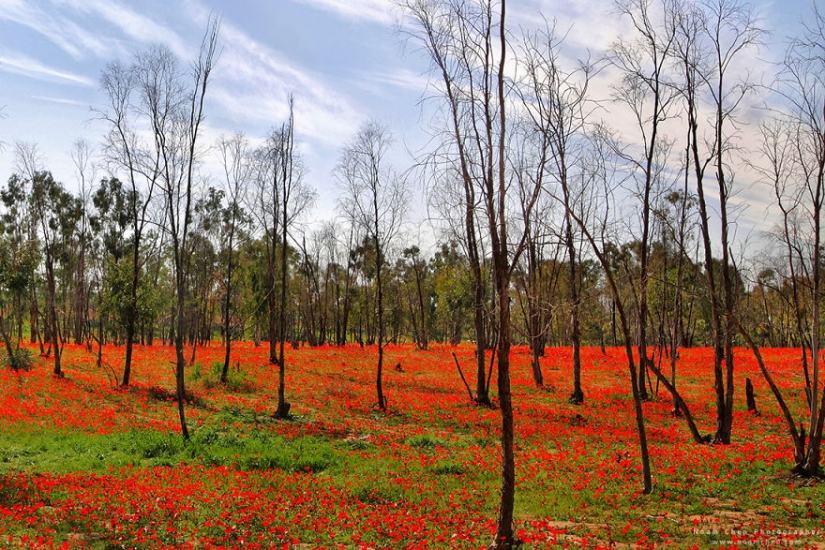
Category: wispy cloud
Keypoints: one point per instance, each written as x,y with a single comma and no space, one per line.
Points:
63,32
379,11
398,78
14,62
61,101
136,26
96,28
254,81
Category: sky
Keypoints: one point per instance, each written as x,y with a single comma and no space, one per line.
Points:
343,60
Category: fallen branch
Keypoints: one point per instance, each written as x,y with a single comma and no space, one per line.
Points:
697,437
466,385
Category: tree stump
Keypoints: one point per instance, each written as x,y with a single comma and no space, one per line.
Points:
751,398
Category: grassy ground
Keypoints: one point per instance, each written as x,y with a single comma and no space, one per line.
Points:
86,465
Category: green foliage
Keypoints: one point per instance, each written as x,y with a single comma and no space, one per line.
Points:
448,468
425,441
19,359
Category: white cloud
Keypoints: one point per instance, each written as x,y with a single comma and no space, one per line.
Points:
61,31
378,11
61,101
403,79
132,24
253,81
18,63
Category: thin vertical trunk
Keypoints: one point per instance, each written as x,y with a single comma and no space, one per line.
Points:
577,397
131,317
504,537
283,405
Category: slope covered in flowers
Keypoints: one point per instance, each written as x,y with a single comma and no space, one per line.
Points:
87,465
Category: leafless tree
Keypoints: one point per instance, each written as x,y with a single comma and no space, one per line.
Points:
557,105
794,145
644,87
443,31
467,44
236,157
85,169
136,160
711,38
295,198
28,161
176,112
375,199
600,177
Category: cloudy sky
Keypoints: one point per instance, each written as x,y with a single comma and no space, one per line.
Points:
343,60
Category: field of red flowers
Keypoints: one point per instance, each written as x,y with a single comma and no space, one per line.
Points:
84,464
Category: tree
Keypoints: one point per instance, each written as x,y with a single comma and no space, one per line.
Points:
446,32
557,106
375,199
56,214
19,259
29,162
600,173
109,224
130,94
176,113
236,156
85,170
415,274
794,145
295,198
468,48
711,37
644,88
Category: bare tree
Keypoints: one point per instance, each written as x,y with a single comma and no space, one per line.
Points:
711,37
467,44
176,113
375,199
600,177
28,161
557,105
295,198
644,87
81,154
236,156
135,160
444,32
794,146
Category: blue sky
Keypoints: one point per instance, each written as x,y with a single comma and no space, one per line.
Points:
343,60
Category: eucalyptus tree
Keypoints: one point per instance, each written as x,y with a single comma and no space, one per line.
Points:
109,224
416,274
375,198
56,214
19,259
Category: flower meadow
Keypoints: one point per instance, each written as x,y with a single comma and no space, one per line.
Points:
85,464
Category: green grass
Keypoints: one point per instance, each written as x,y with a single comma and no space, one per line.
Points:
49,451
